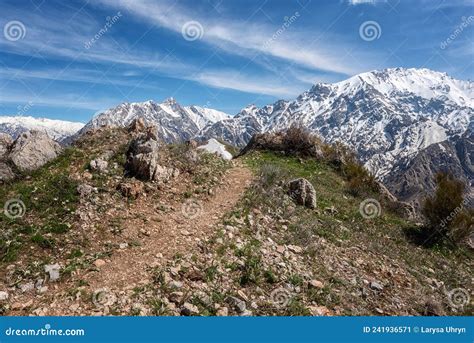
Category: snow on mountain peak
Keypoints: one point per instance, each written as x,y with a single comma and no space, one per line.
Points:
174,122
424,83
56,129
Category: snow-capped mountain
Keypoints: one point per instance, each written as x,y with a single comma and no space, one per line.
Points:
173,121
385,116
56,129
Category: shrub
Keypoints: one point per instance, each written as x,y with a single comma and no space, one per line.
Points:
444,212
300,140
360,180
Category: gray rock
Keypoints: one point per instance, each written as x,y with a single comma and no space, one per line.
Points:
99,165
5,143
376,286
6,172
3,295
85,190
189,309
32,149
143,159
238,304
27,287
53,271
302,192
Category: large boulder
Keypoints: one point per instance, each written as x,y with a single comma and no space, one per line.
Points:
33,149
5,144
302,192
143,159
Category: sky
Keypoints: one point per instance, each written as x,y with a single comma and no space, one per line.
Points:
73,59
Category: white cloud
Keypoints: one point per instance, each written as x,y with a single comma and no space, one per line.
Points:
361,2
241,82
245,37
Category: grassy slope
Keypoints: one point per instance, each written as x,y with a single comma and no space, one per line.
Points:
340,248
381,243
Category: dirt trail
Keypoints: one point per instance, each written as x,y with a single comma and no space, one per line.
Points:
170,233
157,236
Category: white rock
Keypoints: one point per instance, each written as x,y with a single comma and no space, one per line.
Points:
3,295
53,271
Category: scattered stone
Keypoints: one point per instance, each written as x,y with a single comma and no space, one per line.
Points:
132,189
17,306
376,286
85,190
302,192
42,290
223,312
3,295
99,165
433,308
189,309
175,297
319,310
175,284
296,249
27,287
123,246
237,304
53,271
99,263
330,210
315,284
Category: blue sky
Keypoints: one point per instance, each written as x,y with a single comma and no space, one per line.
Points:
71,59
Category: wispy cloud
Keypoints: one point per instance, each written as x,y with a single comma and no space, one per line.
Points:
362,2
238,81
243,37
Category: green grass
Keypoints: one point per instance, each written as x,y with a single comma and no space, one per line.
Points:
384,236
50,199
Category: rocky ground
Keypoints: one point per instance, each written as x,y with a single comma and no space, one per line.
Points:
198,235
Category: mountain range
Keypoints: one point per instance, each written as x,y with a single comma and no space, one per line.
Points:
56,129
404,124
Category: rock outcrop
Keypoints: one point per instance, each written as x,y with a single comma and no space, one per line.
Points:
143,159
5,144
302,192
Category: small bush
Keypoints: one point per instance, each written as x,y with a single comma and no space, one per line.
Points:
300,140
360,180
445,216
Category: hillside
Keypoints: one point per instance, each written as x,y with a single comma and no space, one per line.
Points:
391,118
215,238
